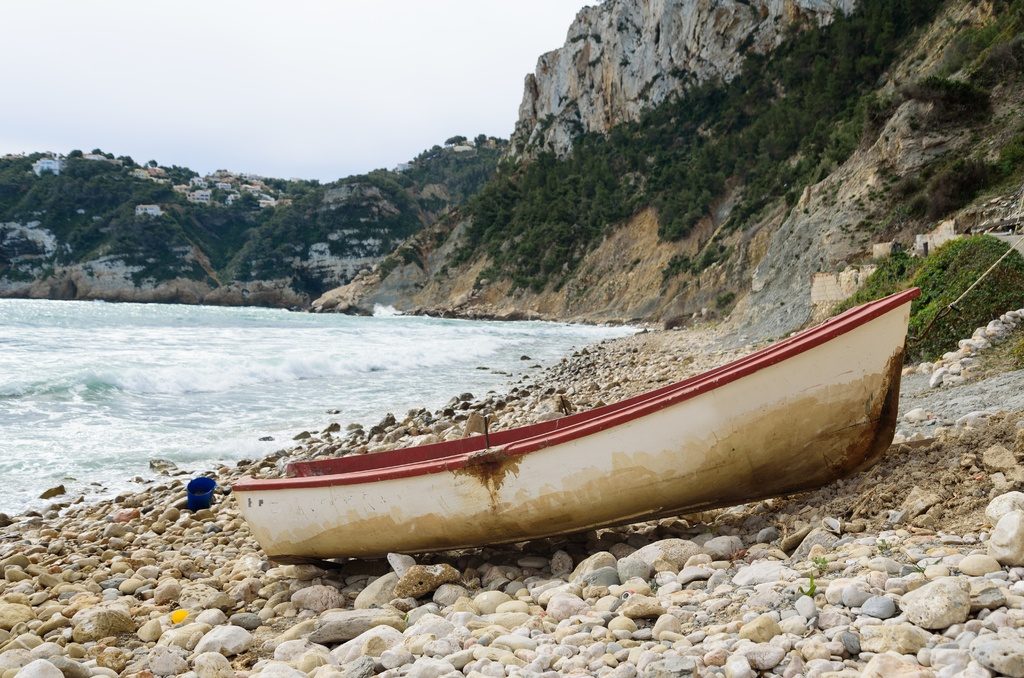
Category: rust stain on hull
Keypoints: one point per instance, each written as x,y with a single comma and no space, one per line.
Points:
490,467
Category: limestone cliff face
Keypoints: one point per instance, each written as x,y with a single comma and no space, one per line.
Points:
764,284
623,56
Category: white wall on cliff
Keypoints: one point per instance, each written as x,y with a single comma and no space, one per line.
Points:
625,56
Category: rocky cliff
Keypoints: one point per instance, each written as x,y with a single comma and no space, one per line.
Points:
729,201
622,57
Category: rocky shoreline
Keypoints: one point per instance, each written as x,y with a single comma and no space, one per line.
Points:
914,567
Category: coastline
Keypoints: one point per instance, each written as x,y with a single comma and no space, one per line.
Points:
716,591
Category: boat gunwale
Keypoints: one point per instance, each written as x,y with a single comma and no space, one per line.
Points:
457,454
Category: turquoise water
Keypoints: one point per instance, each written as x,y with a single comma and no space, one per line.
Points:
90,392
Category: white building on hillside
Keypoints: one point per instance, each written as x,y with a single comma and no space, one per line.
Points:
148,210
202,197
51,165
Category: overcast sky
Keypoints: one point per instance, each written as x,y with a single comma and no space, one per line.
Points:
297,88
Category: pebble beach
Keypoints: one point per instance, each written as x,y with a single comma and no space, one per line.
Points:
914,567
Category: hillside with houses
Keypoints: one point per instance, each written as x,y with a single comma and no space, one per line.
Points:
99,226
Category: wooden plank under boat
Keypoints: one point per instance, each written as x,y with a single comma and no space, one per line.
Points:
790,417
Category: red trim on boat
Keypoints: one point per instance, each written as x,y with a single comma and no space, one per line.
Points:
452,455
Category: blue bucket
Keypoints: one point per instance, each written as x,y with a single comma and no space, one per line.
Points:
200,493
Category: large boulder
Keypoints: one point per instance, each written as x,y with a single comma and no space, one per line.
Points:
318,598
225,640
377,593
12,614
673,552
198,597
1003,504
94,623
338,626
938,604
1006,544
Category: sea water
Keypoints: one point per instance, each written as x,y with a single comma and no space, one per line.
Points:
90,392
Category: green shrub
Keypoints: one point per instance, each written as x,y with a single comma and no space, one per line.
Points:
946,274
1011,156
677,265
943,276
951,99
955,186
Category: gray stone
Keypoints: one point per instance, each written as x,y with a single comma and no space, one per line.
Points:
851,643
640,563
343,625
247,620
694,573
722,548
737,666
630,568
816,537
377,593
671,667
363,667
595,562
879,607
806,606
400,563
855,595
561,564
604,576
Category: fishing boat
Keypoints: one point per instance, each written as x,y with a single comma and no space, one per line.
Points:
792,416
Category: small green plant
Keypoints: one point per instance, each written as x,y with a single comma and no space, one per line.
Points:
884,547
724,299
812,588
820,562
